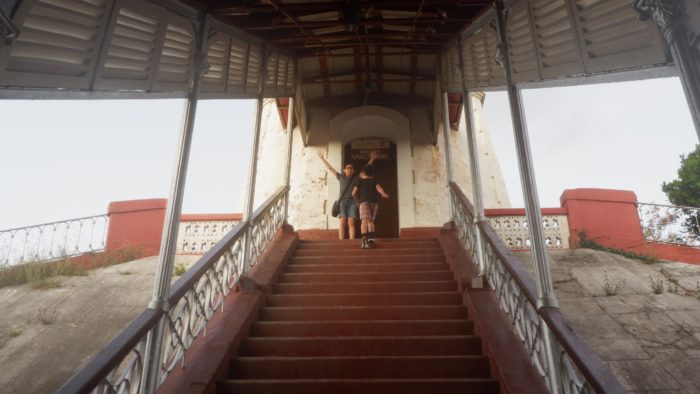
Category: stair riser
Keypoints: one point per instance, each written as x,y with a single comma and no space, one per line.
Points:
359,387
343,288
367,259
364,299
351,245
368,252
345,314
362,346
349,268
366,277
348,329
360,368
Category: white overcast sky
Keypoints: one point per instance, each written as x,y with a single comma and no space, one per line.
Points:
65,159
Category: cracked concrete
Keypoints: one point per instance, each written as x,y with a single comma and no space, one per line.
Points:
650,341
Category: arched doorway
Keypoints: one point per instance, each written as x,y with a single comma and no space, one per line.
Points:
377,122
357,152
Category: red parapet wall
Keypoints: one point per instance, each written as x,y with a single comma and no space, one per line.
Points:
136,224
610,218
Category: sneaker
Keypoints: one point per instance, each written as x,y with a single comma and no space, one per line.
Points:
370,238
365,244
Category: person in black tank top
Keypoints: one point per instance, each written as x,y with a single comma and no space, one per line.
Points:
366,192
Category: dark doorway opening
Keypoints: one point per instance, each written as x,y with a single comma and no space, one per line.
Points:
357,152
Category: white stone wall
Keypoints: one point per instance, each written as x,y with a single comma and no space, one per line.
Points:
422,185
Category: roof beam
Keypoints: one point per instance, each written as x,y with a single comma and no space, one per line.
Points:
384,54
225,8
364,44
278,6
369,23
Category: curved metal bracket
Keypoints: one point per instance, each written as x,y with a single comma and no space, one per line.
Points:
8,31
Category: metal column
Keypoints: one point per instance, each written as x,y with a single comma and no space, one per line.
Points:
446,136
288,166
164,271
254,156
545,288
448,148
672,18
473,162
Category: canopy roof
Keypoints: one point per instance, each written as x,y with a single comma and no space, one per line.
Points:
332,52
356,51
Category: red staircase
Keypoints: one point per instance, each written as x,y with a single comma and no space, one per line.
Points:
345,320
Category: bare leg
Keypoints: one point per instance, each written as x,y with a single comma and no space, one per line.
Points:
364,225
351,227
370,226
341,228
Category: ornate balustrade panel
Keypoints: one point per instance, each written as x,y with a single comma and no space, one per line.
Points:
514,231
52,241
198,235
670,224
194,299
579,369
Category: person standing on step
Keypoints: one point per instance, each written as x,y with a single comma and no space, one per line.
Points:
367,192
348,206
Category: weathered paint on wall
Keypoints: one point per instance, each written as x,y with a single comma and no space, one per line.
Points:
423,198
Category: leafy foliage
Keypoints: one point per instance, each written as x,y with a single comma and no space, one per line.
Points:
685,190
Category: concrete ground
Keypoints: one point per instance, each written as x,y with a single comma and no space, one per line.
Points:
48,335
650,341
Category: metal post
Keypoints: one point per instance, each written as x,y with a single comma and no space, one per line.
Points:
446,136
288,166
545,288
672,18
476,177
254,156
164,271
473,162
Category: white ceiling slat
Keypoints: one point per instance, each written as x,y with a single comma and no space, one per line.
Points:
131,48
218,50
614,38
59,44
521,44
253,69
556,39
176,64
237,66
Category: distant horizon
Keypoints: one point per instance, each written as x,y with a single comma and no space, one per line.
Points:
65,159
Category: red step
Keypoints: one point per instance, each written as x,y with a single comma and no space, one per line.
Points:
348,268
365,277
364,313
358,386
366,258
360,287
355,244
423,367
362,328
438,298
361,346
357,251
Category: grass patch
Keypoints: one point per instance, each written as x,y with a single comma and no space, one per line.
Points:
179,269
14,332
73,266
611,288
46,316
586,243
45,284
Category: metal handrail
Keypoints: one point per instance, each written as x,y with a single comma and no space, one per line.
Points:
193,298
53,240
580,369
